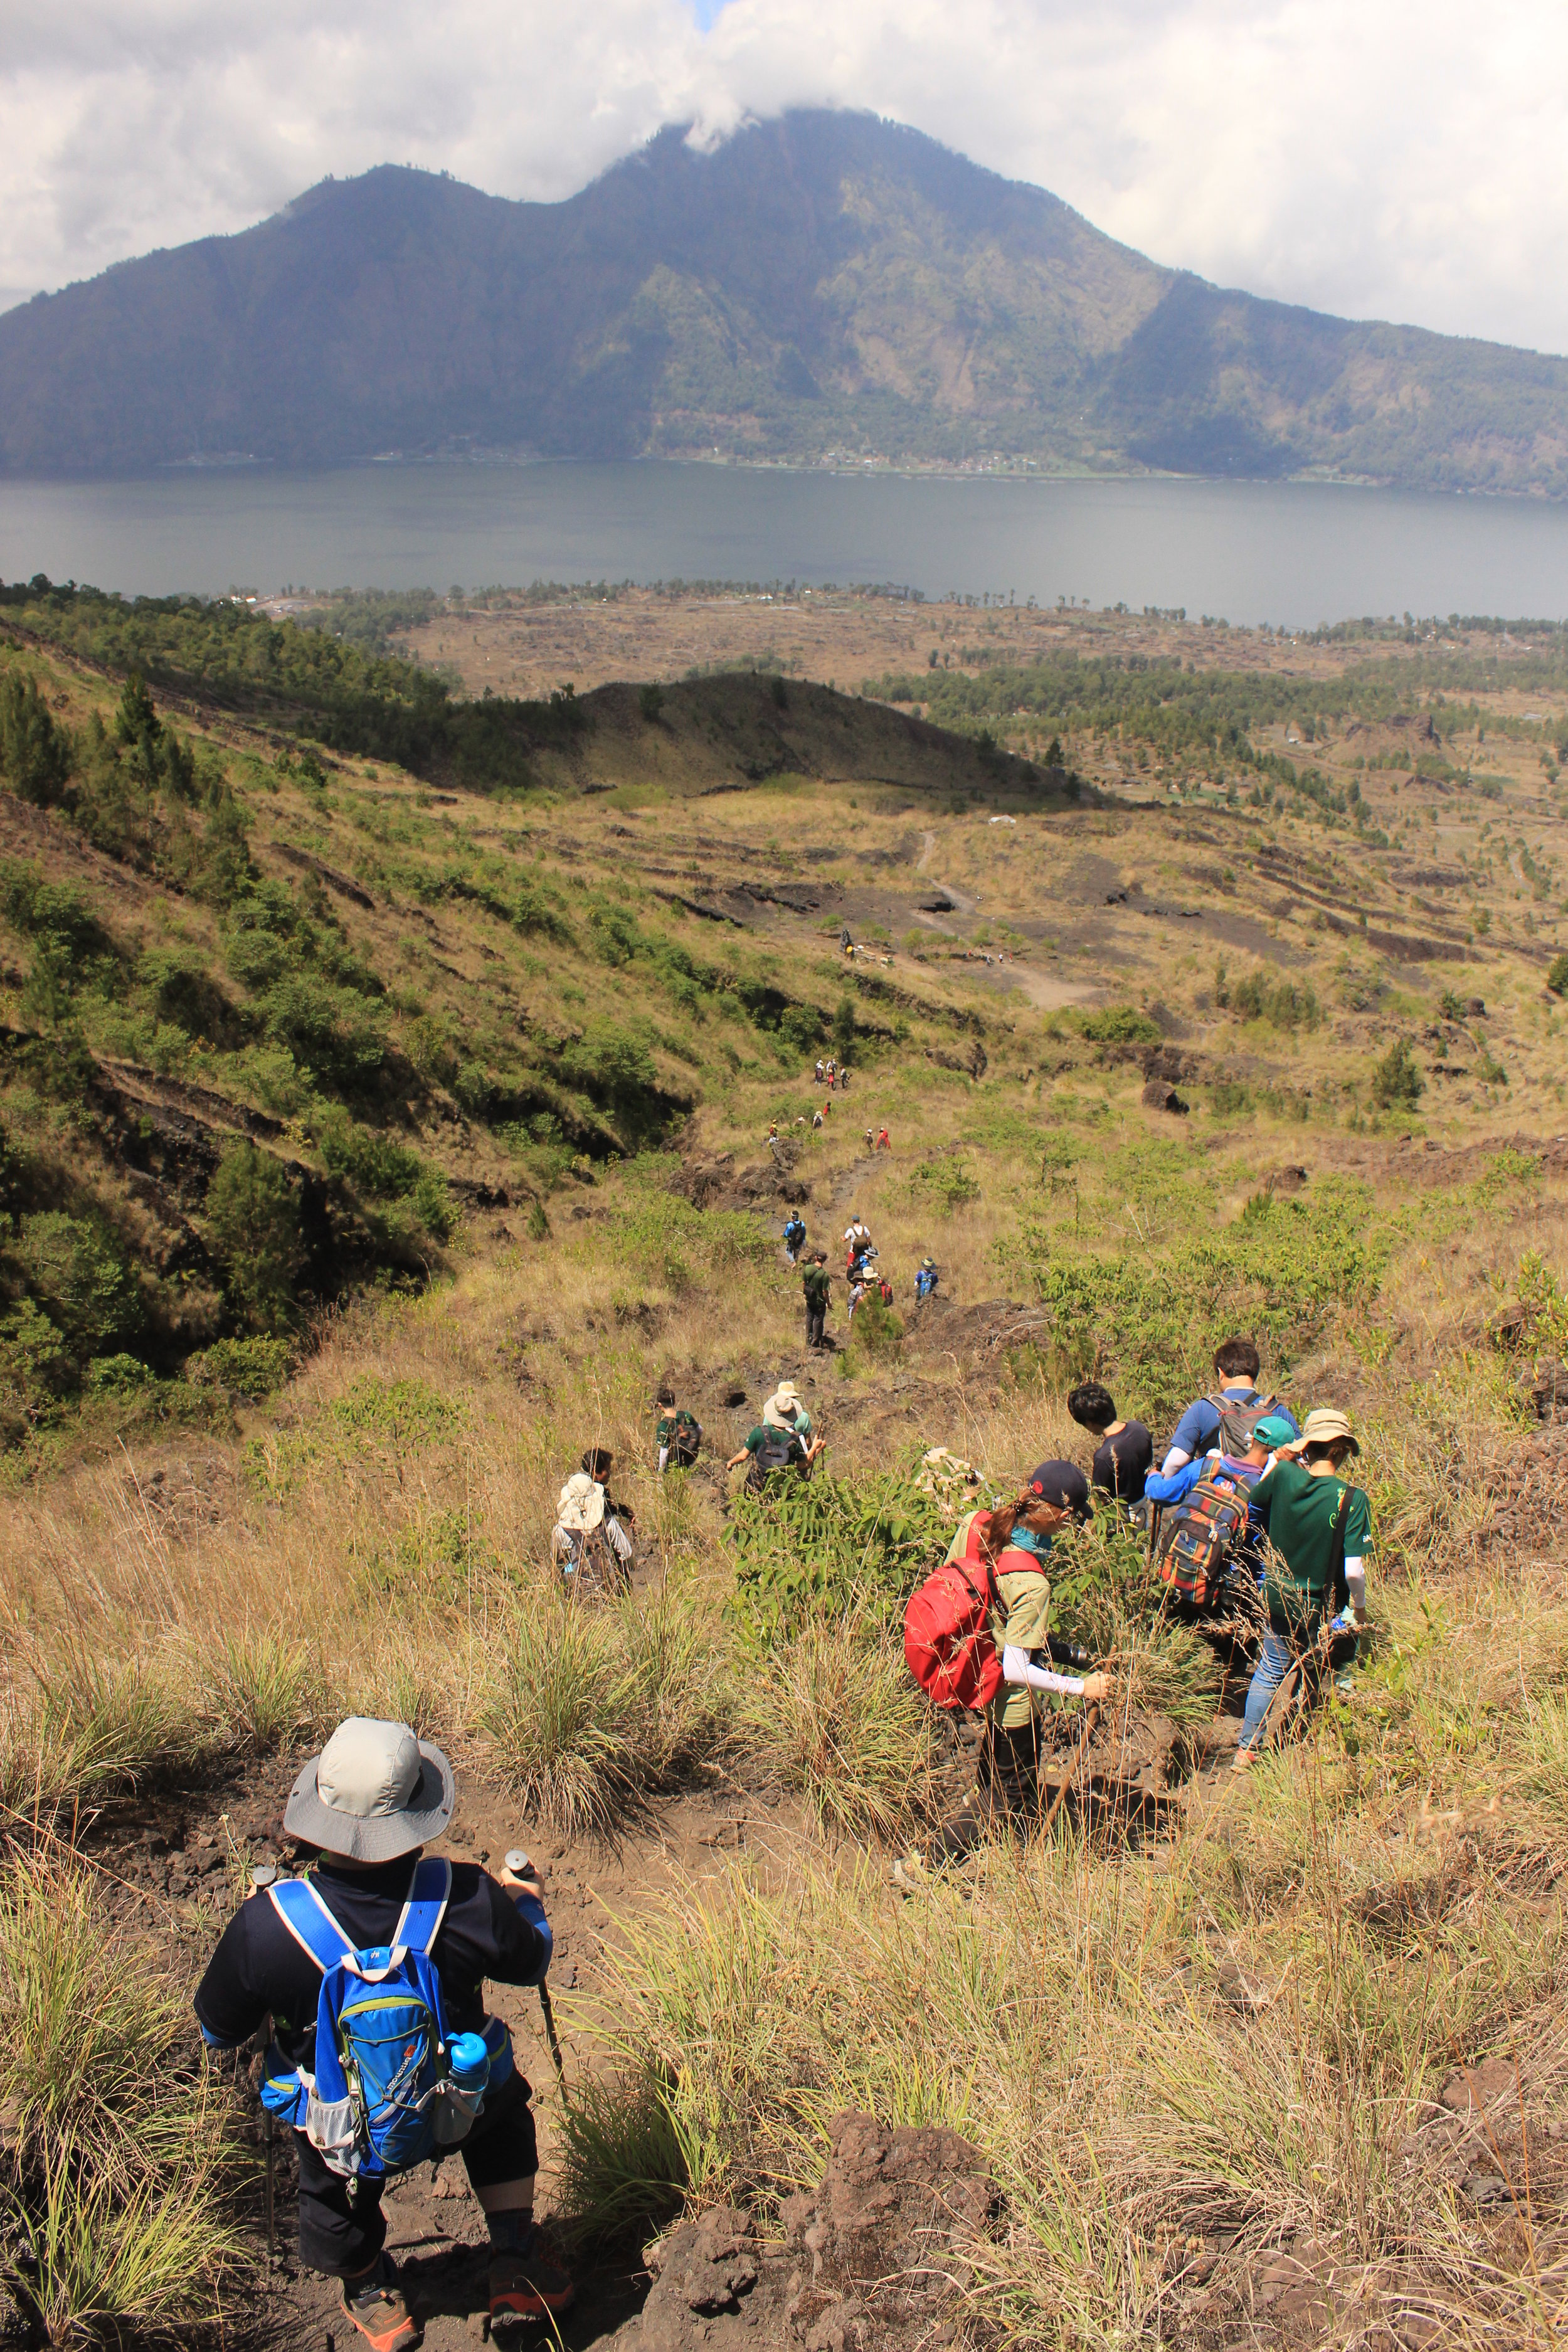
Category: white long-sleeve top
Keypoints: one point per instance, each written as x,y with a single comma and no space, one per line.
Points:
1017,1666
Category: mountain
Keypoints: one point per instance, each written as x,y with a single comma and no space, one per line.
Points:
825,281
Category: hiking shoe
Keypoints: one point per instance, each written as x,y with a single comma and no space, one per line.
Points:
379,2312
1242,1760
525,2286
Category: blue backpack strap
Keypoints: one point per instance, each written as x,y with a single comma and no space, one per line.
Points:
310,1922
429,1892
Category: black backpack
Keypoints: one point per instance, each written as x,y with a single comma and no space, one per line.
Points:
781,1449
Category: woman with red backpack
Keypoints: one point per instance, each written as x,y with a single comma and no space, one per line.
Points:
1001,1555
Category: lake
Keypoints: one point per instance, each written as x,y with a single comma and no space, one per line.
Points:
1293,553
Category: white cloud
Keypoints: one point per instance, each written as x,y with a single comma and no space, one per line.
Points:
1377,157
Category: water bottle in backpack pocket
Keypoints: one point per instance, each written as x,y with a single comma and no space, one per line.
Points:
389,2086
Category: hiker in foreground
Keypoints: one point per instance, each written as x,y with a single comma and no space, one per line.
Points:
1230,1414
372,1967
974,1636
1320,1529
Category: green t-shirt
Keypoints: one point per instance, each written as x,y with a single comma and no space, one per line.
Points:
765,1430
678,1428
815,1281
1299,1512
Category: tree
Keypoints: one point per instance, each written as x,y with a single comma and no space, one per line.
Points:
844,1029
1396,1083
35,755
650,701
253,1222
1557,977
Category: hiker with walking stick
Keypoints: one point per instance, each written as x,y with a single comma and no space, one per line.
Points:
1320,1531
372,1965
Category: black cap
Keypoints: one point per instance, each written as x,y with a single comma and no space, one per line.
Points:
1062,1483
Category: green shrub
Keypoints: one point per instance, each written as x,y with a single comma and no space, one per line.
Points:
819,1549
35,1366
253,1369
1118,1024
253,1220
1284,1004
183,992
839,1720
1557,976
36,753
76,1273
947,1183
118,1375
844,1030
371,1162
650,701
433,1206
876,1330
1396,1083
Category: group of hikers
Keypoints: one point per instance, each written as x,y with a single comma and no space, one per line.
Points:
862,1273
365,1971
1257,1531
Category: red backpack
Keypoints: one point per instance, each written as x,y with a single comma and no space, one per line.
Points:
949,1646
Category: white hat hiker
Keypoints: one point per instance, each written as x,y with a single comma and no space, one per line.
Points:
582,1505
781,1408
375,1791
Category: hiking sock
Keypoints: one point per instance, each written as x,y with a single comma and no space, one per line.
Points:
511,2232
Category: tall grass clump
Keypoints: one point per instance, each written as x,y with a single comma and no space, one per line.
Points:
83,1729
833,1717
117,2177
590,1710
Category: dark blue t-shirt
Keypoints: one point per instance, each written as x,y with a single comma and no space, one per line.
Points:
1198,1427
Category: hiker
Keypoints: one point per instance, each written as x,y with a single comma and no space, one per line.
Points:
783,1410
1229,1414
858,1283
677,1434
793,1236
832,1071
1319,1532
1208,1539
843,1081
817,1117
856,1238
815,1282
772,1449
590,1541
368,1805
818,1070
772,1130
1010,1543
844,941
1125,1454
871,1140
928,1273
1063,1486
884,1140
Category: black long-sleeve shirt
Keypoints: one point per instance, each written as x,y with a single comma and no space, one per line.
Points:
258,1967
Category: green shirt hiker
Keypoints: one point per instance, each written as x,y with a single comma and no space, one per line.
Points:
1313,1524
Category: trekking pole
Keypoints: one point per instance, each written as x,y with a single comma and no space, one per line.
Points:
517,1862
1089,1721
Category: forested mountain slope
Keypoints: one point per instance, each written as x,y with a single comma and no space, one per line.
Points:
824,282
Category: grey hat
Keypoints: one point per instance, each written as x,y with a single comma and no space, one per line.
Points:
373,1792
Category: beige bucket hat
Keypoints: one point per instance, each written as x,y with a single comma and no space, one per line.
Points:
781,1408
1327,1424
375,1791
582,1505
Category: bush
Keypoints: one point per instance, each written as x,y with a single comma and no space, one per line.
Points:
877,1330
812,1549
1557,976
650,701
253,1219
34,753
1282,1002
1396,1083
844,1030
75,1272
1119,1024
948,1184
253,1369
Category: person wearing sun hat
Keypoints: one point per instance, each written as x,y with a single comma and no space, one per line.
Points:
783,1410
1318,1526
367,1805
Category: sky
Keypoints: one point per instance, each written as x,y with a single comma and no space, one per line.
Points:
1378,158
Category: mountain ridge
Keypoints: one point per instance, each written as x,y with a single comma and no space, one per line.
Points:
820,284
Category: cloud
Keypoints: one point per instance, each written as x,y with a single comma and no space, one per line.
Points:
1382,160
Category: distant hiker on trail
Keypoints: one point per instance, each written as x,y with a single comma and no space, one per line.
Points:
1000,1555
846,943
857,1239
1319,1530
818,1070
843,1081
928,1273
817,1117
832,1071
1229,1414
816,1282
1125,1454
793,1236
677,1434
884,1140
367,1804
871,1140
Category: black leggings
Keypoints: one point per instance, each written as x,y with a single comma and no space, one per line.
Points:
1006,1788
343,2238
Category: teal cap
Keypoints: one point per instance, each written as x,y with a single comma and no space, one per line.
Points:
1273,1430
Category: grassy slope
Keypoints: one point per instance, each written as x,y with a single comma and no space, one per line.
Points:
1245,2026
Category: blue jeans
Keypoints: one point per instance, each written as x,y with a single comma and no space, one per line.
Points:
1273,1665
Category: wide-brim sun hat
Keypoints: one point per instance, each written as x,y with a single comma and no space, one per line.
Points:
1327,1425
781,1408
375,1791
581,1507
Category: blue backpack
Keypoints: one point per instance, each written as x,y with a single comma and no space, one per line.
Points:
381,2097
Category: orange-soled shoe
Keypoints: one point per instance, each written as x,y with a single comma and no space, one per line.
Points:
379,2312
525,2287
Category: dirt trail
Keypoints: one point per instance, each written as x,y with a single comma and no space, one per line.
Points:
963,904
